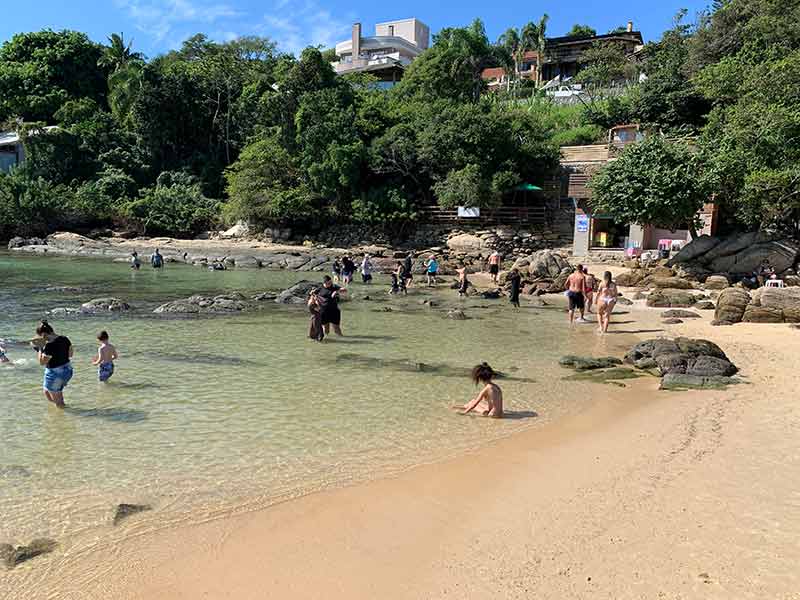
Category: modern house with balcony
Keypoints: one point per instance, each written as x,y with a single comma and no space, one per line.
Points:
386,54
562,57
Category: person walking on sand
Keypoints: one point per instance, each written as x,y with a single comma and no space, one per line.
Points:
156,260
106,355
590,284
576,288
494,265
606,300
433,270
328,298
408,267
490,399
55,354
515,280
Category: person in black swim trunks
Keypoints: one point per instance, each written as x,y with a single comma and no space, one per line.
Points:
576,289
328,300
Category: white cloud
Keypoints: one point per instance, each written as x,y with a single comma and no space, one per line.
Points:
294,25
170,18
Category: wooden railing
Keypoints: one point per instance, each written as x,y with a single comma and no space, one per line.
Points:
504,215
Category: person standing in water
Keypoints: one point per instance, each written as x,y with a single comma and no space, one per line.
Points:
315,329
366,270
135,262
576,288
463,282
106,355
433,270
54,356
590,284
328,298
336,270
490,399
156,260
408,267
606,300
494,265
348,268
515,280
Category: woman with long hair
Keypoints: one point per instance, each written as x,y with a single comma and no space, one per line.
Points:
607,295
55,353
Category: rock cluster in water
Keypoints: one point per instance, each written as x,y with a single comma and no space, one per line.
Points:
12,556
126,510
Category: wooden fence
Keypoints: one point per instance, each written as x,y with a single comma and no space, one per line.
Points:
504,215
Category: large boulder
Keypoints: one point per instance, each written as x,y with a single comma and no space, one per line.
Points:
781,255
688,356
544,264
762,314
466,242
694,249
731,305
716,282
100,305
673,283
631,278
670,298
298,293
733,245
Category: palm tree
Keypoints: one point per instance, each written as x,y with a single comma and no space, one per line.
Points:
511,42
516,43
125,75
534,35
117,55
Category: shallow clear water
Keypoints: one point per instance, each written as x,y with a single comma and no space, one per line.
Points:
208,415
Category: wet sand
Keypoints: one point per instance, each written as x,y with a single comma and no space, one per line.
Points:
645,495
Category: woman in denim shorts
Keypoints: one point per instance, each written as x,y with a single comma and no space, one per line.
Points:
55,352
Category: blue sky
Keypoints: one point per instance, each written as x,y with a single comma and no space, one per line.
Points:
160,25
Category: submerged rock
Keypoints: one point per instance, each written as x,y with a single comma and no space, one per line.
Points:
588,363
14,556
126,510
457,315
298,293
225,303
99,305
608,376
682,382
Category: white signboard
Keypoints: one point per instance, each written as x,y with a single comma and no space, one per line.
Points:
469,212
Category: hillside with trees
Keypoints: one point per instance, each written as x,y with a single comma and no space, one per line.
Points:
216,132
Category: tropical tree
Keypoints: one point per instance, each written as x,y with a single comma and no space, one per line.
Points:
117,55
517,42
655,182
582,31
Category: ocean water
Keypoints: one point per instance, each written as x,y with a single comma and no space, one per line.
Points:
206,416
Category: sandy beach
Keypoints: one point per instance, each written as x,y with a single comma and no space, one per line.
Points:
647,494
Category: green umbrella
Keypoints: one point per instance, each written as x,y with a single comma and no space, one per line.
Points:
528,187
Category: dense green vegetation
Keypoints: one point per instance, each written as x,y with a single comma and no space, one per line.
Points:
216,132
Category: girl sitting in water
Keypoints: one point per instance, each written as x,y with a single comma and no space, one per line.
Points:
490,399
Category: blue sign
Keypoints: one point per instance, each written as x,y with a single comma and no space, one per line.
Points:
582,223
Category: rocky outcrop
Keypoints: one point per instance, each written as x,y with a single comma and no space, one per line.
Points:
773,305
683,356
12,556
225,303
101,305
731,305
716,282
671,283
298,293
20,242
739,254
670,298
680,382
631,278
465,242
545,264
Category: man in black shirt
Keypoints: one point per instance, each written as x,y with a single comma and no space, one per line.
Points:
328,297
55,358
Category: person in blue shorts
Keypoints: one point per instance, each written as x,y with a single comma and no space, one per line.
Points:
106,355
55,356
433,270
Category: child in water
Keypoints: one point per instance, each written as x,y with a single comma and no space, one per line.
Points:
490,399
315,329
395,289
106,355
3,357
